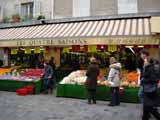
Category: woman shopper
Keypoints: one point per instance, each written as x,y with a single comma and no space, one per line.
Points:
150,88
91,82
114,81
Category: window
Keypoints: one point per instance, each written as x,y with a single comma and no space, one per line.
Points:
27,10
17,8
1,13
127,6
81,8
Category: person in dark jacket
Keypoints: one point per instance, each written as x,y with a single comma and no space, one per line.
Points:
47,78
1,63
150,93
91,82
32,60
53,80
143,55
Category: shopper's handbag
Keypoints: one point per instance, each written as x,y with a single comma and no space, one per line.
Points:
149,88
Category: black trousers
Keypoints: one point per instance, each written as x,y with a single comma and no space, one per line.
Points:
91,96
115,96
147,111
150,106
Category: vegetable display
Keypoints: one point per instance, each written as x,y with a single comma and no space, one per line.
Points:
79,77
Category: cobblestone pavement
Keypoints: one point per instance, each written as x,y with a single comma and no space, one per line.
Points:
48,107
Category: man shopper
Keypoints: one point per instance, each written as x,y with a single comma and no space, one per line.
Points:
149,83
47,78
144,54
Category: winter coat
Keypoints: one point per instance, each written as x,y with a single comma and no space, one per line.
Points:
149,77
114,75
48,72
92,74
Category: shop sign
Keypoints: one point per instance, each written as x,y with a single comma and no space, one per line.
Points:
82,41
51,42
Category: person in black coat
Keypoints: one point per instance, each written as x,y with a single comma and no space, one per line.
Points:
91,82
150,93
47,78
53,80
32,60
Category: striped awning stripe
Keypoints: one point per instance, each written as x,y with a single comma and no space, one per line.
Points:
101,28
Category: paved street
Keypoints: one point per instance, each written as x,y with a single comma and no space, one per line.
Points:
47,107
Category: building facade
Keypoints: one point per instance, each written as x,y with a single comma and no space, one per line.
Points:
61,9
72,23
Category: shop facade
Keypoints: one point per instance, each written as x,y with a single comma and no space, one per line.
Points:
79,40
81,37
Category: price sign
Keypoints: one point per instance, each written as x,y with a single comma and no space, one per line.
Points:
37,50
13,51
112,48
27,51
66,50
92,48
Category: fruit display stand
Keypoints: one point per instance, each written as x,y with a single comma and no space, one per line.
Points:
73,86
79,91
19,78
13,85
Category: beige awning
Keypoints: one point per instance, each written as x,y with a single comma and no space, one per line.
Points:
85,32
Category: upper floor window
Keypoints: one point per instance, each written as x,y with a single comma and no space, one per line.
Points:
0,12
127,6
27,10
81,8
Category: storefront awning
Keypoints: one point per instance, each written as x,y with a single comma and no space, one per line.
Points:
86,32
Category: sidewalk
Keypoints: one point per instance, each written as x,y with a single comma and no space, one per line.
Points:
47,107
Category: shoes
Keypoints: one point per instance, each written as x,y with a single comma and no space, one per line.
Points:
89,103
94,102
111,105
117,104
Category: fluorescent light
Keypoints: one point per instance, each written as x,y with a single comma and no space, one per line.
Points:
141,46
129,46
132,50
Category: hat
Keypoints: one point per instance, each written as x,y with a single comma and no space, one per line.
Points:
112,60
93,60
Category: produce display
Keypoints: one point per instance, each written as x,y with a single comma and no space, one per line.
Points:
5,70
79,77
76,77
23,74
